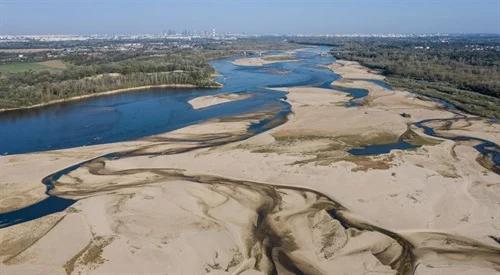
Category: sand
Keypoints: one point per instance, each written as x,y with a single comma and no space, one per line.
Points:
261,61
354,71
211,100
210,198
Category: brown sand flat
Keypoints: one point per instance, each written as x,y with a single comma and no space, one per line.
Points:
261,61
211,198
207,101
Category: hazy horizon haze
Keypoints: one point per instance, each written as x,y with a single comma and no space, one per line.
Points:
249,16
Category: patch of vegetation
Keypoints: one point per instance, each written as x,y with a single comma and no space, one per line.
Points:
413,138
377,138
324,148
324,158
69,266
19,67
295,144
463,70
284,138
34,72
349,140
72,210
235,260
363,163
91,254
334,149
465,100
448,174
366,163
34,87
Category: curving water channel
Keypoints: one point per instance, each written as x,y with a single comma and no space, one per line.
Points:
135,115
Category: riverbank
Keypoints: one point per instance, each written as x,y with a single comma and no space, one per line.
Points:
287,199
132,89
435,75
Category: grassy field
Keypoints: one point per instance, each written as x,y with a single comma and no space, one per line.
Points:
51,65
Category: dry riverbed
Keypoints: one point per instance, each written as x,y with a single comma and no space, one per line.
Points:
213,198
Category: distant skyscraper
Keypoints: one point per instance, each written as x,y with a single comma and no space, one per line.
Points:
213,32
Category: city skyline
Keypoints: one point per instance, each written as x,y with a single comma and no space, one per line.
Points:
248,17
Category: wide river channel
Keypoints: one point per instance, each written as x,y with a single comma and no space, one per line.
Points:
132,115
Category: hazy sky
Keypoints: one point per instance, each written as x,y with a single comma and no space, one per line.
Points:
249,16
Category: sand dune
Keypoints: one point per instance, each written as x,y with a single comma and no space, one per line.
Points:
214,198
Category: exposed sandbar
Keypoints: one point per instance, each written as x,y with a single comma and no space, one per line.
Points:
261,61
210,198
207,101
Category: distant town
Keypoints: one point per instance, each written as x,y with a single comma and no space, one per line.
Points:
208,34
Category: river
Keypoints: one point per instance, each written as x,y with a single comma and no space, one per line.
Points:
133,115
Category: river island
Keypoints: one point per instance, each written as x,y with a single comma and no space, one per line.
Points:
341,175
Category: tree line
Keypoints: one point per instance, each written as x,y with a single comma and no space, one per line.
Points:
463,70
29,88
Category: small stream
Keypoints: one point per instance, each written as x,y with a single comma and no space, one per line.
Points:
135,115
486,148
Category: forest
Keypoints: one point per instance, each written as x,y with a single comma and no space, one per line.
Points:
462,70
96,66
30,87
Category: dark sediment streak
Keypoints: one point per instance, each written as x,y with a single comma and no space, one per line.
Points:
489,151
276,245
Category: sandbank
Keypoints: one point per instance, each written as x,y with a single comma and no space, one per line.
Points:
212,198
207,101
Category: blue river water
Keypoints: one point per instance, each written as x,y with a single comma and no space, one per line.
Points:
132,115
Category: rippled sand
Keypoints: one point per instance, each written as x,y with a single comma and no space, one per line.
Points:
213,198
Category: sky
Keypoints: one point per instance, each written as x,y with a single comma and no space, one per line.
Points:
249,16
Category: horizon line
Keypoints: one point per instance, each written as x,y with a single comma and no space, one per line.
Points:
257,34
